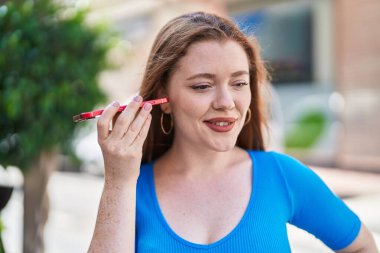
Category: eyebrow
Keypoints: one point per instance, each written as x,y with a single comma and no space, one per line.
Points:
200,75
212,76
239,73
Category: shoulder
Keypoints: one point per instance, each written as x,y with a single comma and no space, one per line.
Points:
272,164
280,159
280,164
269,154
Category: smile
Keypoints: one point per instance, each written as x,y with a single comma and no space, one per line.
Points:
220,124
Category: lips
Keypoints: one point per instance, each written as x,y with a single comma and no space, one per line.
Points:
220,124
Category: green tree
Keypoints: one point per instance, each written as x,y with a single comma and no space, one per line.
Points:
49,66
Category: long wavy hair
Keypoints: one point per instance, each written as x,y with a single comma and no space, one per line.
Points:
170,45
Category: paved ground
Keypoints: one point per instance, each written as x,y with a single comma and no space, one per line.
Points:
74,202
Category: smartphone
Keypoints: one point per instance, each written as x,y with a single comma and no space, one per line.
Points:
90,115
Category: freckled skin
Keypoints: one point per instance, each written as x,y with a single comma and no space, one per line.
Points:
210,175
223,98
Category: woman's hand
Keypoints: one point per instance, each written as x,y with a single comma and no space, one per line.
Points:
122,147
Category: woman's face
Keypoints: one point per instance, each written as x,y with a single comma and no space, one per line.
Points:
209,95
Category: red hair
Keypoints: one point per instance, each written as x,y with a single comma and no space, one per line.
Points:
170,45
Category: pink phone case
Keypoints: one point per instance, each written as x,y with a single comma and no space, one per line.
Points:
90,115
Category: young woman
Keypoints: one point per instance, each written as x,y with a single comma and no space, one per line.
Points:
193,175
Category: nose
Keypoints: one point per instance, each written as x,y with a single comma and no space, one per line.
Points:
223,99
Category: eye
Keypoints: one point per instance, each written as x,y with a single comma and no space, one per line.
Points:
240,84
201,87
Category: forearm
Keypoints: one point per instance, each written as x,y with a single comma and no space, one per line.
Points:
365,249
364,243
122,153
115,224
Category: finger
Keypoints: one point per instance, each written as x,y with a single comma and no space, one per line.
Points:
140,138
126,117
104,120
135,127
115,118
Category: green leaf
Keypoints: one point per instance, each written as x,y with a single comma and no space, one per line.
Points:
49,67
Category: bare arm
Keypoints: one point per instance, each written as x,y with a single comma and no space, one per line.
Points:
115,224
364,243
122,151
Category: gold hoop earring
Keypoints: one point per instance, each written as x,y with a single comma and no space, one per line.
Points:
249,117
162,124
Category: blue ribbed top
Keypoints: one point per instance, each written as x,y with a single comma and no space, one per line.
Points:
283,191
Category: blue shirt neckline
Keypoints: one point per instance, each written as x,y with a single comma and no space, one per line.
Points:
163,221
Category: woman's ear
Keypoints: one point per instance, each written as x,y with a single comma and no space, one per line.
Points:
166,108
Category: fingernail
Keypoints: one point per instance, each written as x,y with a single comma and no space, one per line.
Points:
115,104
137,98
147,106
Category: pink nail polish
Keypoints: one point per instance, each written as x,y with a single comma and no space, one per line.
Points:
137,98
147,106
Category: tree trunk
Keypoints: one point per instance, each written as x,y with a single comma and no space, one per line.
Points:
36,202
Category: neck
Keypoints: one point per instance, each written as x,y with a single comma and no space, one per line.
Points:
197,162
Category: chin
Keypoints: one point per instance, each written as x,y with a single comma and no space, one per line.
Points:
223,147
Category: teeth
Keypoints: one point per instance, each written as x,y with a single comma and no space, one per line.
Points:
221,123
